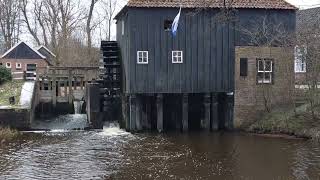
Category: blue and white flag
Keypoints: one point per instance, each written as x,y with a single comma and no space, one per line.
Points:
175,24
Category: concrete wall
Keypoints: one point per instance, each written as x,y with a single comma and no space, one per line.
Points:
19,118
249,95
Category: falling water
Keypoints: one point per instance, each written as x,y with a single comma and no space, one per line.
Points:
77,106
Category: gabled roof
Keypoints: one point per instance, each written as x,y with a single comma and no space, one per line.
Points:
257,4
22,51
43,48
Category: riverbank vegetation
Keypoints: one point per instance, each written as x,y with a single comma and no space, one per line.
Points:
7,134
303,121
10,89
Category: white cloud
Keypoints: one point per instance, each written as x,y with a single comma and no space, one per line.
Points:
304,4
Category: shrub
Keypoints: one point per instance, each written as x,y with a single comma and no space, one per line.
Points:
5,75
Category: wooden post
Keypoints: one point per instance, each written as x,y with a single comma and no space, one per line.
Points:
207,102
54,88
132,102
160,113
148,113
214,113
81,84
185,113
58,88
65,84
125,112
70,95
229,111
138,113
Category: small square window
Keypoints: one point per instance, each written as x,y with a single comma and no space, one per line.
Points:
8,65
142,57
168,25
177,57
18,65
265,71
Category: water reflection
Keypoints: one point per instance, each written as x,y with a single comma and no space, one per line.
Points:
116,154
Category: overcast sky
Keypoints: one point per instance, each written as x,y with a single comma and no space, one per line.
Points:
303,4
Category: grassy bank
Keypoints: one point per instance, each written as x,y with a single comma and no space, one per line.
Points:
7,134
298,123
10,89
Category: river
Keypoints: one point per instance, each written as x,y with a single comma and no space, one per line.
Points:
113,153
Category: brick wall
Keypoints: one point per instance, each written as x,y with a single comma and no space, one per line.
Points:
24,62
249,95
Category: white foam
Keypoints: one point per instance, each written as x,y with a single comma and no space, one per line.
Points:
113,129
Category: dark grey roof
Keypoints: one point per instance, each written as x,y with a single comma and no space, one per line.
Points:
22,51
47,53
308,18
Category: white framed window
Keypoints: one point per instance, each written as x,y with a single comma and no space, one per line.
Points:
300,65
8,65
142,57
18,66
122,27
265,71
177,57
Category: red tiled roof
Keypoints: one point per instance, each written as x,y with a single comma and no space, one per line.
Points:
258,4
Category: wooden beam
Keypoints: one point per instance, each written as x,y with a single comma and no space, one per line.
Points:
185,113
132,110
214,112
160,113
138,113
207,113
229,111
54,89
70,95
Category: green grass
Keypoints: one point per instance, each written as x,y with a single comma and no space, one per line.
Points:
286,121
10,89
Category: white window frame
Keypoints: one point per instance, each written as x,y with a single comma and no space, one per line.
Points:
264,71
9,65
18,65
177,57
300,65
122,27
142,57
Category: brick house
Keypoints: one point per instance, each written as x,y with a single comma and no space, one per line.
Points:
23,58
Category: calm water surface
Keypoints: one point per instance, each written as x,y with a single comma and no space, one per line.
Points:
115,154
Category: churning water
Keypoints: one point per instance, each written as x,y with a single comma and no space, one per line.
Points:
115,154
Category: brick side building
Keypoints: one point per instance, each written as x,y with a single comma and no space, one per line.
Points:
264,78
23,58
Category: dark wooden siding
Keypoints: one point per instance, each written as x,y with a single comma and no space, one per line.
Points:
208,49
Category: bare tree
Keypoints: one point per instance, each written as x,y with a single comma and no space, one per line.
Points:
88,24
110,7
9,21
33,31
